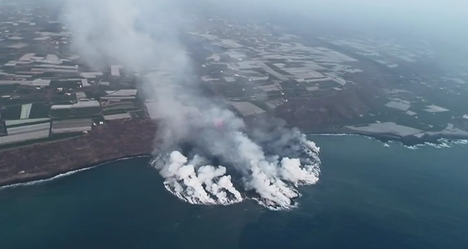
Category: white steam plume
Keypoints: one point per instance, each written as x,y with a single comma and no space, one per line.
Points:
200,162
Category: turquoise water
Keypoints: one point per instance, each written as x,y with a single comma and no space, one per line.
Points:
369,196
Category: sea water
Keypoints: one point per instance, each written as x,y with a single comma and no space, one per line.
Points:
370,195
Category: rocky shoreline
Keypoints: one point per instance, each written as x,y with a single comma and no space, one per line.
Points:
109,142
135,138
408,140
44,176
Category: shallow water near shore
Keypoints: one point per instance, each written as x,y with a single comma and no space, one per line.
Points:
369,196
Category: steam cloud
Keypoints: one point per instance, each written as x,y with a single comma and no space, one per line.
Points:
204,152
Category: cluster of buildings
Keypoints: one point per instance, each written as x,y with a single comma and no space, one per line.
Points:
55,103
47,93
46,119
262,69
420,91
258,70
386,52
417,70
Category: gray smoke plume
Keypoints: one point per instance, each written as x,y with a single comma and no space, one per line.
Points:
204,152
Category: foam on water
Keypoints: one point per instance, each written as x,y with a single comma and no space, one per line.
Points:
44,180
60,175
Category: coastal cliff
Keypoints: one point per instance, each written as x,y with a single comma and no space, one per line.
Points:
113,140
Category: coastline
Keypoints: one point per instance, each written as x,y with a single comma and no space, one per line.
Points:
129,139
49,176
384,137
109,142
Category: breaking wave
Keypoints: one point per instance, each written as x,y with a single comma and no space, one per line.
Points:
441,144
44,180
31,183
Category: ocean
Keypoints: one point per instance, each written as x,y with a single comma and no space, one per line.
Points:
370,195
